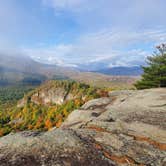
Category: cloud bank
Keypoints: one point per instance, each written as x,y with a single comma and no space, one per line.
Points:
74,32
114,47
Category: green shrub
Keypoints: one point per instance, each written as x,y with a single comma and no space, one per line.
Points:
155,73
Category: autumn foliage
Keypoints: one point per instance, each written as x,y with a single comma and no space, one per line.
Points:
41,117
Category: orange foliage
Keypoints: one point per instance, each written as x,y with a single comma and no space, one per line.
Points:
48,124
1,132
38,123
30,127
59,122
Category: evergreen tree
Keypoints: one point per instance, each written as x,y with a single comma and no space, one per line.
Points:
155,71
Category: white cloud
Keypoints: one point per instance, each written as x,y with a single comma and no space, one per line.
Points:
114,47
121,32
99,13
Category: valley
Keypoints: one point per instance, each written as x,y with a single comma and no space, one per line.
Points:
23,84
27,72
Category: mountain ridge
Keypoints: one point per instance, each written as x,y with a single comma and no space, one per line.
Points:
122,71
16,70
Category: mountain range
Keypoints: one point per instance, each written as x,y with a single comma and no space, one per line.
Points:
114,70
20,68
16,69
122,71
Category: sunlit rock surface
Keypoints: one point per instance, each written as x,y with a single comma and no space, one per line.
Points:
126,128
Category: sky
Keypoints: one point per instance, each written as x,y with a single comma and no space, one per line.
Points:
74,32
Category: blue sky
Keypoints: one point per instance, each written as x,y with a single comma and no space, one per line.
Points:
73,32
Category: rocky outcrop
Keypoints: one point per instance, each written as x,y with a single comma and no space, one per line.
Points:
126,128
56,92
52,95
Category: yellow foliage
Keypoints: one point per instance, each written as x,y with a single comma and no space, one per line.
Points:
77,102
65,113
18,115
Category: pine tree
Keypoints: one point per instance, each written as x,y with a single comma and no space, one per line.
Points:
155,72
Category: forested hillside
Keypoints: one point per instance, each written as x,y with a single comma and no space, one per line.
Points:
46,106
9,95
